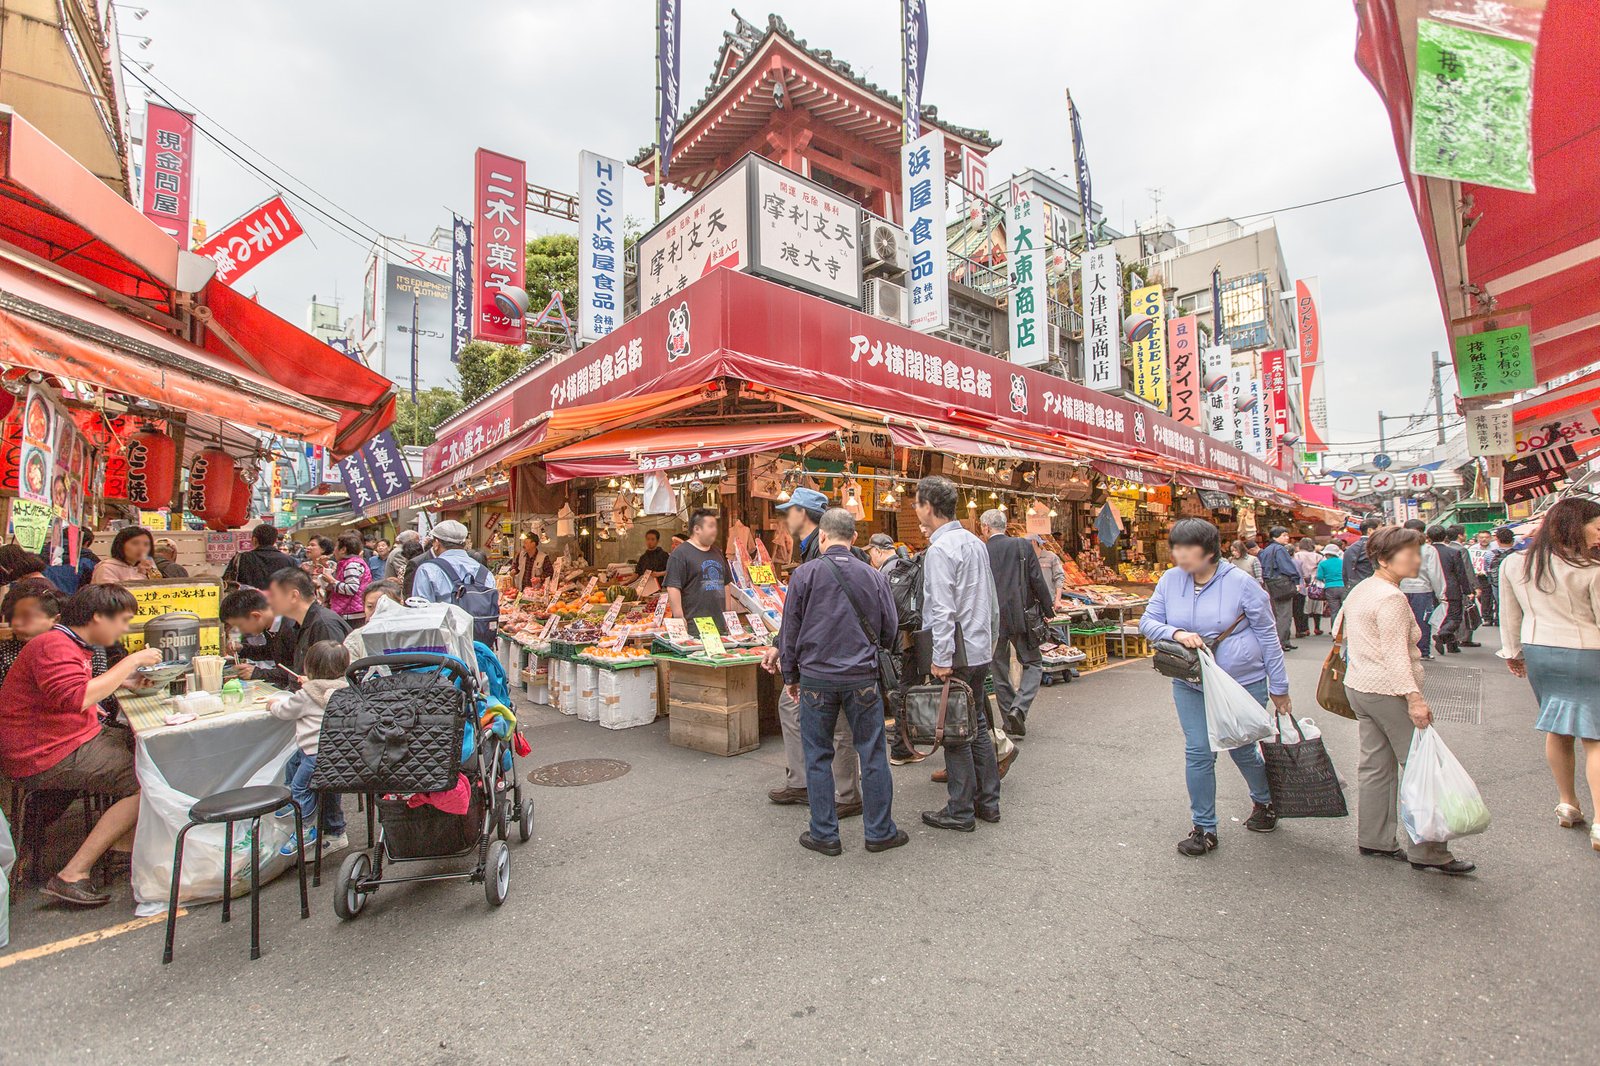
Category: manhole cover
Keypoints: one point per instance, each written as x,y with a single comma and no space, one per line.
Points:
575,772
1455,693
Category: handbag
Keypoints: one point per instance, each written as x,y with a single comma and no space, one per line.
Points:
1316,590
1300,775
888,671
1331,695
1181,663
941,713
1033,617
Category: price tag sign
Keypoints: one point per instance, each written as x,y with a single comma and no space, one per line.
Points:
758,625
761,574
735,627
661,610
588,590
617,643
549,624
677,631
710,635
611,615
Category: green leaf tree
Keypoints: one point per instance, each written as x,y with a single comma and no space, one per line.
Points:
415,423
552,262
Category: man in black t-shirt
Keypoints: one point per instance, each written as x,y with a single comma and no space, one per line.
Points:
697,574
654,560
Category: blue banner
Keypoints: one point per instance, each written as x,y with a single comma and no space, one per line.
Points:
914,32
460,287
669,19
1080,158
375,473
1216,306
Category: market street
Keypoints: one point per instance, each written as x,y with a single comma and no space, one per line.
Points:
669,916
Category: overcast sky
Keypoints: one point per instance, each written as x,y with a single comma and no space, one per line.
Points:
1230,107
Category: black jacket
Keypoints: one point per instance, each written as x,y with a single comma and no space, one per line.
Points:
256,566
1458,580
1357,564
1018,584
319,624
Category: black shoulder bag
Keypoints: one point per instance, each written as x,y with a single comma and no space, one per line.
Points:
1034,619
888,675
1181,663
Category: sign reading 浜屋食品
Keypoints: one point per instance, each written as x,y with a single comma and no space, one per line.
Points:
500,207
247,241
1472,107
928,279
599,245
1150,354
1029,317
460,287
1183,370
1489,432
1102,298
710,231
1495,361
168,169
805,235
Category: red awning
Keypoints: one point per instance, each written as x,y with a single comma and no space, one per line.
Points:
640,451
484,461
993,447
1207,484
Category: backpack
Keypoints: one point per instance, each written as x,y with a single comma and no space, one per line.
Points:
480,599
905,585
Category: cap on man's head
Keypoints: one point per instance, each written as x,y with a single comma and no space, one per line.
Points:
881,540
809,499
451,532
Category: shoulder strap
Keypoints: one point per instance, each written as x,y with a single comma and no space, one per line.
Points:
861,617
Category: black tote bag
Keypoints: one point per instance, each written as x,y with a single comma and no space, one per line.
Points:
1301,777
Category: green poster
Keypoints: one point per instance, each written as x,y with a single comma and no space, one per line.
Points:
31,523
1472,107
1497,361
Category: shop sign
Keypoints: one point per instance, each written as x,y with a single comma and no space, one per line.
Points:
710,231
1472,107
1495,361
422,256
1490,433
375,473
1347,486
203,598
1313,384
1183,370
1417,481
923,215
974,173
168,169
1537,474
1582,426
1275,394
1029,316
1244,310
1150,354
805,235
669,23
914,55
1102,297
599,245
460,286
1216,390
247,242
500,207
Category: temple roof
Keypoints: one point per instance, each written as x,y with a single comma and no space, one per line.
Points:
731,91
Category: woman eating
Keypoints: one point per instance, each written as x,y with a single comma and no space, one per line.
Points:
132,558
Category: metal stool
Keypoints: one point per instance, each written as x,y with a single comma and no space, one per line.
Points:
32,844
235,805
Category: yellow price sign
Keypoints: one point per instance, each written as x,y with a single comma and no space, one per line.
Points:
709,635
761,574
203,598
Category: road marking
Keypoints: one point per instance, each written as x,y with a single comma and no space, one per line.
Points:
83,939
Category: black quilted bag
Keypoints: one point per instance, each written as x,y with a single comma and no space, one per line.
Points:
398,732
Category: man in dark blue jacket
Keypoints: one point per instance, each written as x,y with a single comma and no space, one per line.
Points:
1282,579
837,614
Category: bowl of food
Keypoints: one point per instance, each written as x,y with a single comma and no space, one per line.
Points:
164,673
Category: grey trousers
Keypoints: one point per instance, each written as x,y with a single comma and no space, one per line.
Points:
1386,731
1013,699
1283,616
846,764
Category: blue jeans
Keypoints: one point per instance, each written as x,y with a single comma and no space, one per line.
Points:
1422,605
297,775
819,715
1200,762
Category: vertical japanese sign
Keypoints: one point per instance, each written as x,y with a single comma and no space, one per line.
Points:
599,245
168,169
1150,354
500,198
914,49
1029,312
375,473
460,286
1080,162
245,243
1490,433
1495,361
1218,334
669,20
1473,107
1102,298
1216,382
1275,397
974,173
1249,427
922,186
1313,385
1183,370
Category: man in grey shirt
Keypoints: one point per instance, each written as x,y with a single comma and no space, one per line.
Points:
962,615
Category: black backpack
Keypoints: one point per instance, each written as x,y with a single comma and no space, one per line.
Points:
480,598
905,585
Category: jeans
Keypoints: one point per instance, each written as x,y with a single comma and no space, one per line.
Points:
297,775
1422,605
974,774
846,767
1016,700
862,707
1200,762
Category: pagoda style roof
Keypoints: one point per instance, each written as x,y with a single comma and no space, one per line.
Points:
760,72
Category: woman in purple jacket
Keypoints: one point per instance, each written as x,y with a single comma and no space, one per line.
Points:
1195,602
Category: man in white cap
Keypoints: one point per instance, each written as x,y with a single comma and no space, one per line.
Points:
447,574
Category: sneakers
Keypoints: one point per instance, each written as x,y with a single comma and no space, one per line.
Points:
1263,819
291,846
334,842
1197,843
904,757
286,811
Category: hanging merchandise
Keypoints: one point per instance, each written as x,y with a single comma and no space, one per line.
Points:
152,460
623,508
658,495
212,478
565,524
10,453
1108,525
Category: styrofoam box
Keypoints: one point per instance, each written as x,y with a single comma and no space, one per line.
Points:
583,683
563,695
626,697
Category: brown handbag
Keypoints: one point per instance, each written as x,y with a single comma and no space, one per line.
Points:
1331,695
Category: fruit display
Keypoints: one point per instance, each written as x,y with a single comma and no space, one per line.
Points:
1143,575
616,656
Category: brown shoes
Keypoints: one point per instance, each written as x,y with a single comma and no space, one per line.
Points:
787,797
78,893
941,776
848,810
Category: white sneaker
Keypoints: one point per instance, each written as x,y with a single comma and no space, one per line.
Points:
335,842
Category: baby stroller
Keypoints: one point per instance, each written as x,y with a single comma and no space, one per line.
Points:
410,724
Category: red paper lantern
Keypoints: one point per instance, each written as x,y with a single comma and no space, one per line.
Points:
10,454
152,459
212,478
239,507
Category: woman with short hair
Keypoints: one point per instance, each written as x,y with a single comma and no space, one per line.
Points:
349,579
1384,685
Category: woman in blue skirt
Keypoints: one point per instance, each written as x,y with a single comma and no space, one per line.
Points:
1550,634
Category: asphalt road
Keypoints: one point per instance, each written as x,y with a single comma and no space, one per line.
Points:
669,916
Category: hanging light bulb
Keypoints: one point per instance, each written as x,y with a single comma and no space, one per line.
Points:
611,484
961,464
888,499
1052,512
627,486
783,494
1002,506
899,489
972,503
994,495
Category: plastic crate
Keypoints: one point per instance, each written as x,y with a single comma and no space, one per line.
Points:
626,698
1093,646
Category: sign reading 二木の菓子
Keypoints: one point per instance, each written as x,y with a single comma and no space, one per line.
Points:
1495,361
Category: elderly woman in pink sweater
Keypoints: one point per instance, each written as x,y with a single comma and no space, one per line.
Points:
1384,683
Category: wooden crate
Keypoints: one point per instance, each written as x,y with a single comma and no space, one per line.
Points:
715,730
713,686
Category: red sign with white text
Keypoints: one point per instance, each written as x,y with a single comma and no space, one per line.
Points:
246,241
499,239
1275,385
168,169
1313,387
1183,370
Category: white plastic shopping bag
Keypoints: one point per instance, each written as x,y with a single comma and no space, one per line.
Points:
1233,717
1438,799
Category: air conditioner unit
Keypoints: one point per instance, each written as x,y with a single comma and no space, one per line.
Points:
1055,349
886,300
884,245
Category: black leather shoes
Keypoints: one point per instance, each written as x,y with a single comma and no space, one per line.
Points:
901,837
941,820
1455,867
992,817
821,847
788,797
848,810
1016,726
1375,853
